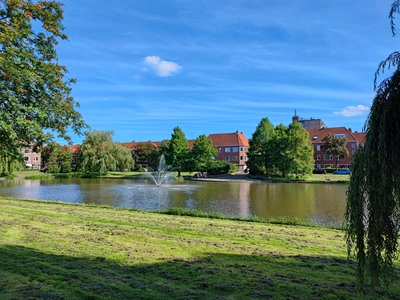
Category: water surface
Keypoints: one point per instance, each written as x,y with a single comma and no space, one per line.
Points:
319,203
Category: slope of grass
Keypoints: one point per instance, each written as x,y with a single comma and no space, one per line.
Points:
64,251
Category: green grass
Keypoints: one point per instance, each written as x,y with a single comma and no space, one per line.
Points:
61,251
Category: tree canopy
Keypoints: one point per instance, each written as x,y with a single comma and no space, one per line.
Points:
202,154
35,98
335,146
281,150
99,154
373,196
178,150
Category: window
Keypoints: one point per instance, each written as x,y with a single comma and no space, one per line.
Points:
328,157
26,158
220,150
241,149
235,149
318,157
315,137
339,135
318,147
227,149
36,158
353,152
353,146
227,158
342,157
241,157
234,158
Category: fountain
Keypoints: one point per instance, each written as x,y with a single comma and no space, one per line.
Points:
161,174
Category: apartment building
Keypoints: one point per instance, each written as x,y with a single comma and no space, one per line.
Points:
32,158
324,160
232,147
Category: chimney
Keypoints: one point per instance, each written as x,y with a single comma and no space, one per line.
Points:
349,129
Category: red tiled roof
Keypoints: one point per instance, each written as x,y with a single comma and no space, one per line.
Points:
133,145
316,135
228,139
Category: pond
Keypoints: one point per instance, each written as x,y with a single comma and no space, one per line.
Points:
318,203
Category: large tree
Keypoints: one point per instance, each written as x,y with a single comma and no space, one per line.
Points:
261,150
99,153
373,196
335,146
178,150
300,151
202,154
35,98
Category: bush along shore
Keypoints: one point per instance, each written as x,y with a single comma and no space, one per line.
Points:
55,250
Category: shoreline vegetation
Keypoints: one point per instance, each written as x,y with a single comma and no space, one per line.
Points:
55,250
314,178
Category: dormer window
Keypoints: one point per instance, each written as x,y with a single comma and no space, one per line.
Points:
339,135
315,137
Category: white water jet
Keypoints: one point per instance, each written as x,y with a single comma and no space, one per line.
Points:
161,175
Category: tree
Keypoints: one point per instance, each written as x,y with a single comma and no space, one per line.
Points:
261,151
373,196
58,159
99,153
34,90
300,151
202,154
146,151
178,150
123,157
335,146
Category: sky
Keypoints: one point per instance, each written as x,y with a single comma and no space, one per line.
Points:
145,67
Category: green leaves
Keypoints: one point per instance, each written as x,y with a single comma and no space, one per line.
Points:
34,91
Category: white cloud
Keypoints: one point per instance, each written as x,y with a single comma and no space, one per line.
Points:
163,68
351,111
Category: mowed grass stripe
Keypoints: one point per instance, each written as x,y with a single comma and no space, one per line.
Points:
53,250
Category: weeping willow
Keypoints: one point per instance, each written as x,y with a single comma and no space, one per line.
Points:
373,196
10,162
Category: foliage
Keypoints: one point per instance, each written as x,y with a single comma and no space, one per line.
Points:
373,197
178,151
261,152
58,159
300,150
335,146
218,167
34,90
202,154
99,153
280,151
146,152
123,157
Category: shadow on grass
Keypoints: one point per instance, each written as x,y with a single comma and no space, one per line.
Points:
28,274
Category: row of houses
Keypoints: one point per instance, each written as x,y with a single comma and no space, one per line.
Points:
233,147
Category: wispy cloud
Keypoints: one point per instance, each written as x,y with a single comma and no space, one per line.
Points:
352,111
162,68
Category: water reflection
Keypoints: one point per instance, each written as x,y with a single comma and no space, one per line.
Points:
320,203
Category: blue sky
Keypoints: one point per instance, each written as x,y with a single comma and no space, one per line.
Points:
145,67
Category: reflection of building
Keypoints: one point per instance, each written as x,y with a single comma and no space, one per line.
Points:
31,158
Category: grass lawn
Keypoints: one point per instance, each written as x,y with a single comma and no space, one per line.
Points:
62,251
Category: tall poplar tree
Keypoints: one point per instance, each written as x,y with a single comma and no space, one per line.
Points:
35,98
373,196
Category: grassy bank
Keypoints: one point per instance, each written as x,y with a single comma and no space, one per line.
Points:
63,251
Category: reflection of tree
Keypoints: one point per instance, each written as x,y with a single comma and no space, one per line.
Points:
282,199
